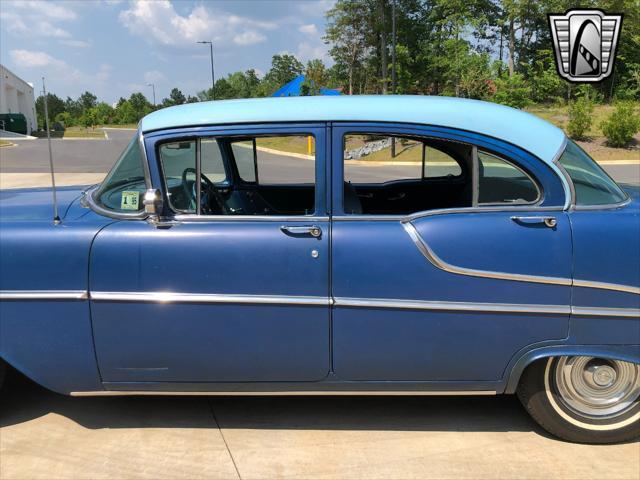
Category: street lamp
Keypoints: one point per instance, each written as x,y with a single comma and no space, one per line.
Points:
213,77
153,87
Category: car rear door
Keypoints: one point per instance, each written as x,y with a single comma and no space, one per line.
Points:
448,294
216,298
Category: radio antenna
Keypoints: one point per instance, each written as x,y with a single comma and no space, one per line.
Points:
56,217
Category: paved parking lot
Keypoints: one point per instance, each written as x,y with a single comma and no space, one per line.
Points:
45,435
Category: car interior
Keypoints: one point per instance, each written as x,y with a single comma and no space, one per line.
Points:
379,182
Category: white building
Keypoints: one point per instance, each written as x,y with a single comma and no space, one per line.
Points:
16,96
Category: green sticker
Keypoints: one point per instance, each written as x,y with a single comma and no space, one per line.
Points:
129,200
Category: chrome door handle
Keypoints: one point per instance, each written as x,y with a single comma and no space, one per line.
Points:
550,222
313,230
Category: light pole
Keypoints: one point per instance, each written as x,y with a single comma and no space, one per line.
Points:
153,87
213,77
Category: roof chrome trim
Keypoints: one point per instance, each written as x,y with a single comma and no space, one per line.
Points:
172,297
43,295
447,267
112,393
449,306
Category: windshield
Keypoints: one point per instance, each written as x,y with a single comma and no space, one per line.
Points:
124,186
592,184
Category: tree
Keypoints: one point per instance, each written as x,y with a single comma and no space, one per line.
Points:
87,100
347,33
55,106
176,97
315,77
140,105
284,68
102,113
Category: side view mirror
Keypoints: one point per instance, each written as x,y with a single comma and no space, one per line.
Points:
152,201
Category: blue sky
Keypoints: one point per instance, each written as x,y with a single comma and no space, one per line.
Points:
114,47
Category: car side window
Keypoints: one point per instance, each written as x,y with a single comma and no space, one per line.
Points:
397,175
501,182
270,175
124,186
591,183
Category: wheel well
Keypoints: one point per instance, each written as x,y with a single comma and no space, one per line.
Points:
625,353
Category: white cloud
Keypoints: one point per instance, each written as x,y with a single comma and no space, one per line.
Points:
310,29
48,9
308,51
154,76
158,22
249,38
33,59
29,25
75,43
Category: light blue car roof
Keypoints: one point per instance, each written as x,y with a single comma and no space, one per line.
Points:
514,126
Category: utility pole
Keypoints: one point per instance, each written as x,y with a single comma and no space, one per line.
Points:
213,77
393,65
393,47
56,217
153,87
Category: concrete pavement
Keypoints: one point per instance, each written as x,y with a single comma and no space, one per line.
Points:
45,435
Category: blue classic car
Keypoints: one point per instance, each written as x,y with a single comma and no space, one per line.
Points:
336,245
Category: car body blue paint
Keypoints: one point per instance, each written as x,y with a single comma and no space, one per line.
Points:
50,341
196,346
508,124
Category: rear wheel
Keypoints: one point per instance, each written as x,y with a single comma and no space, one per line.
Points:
584,399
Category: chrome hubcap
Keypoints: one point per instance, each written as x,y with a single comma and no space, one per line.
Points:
597,388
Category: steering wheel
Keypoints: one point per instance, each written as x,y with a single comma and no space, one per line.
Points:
207,188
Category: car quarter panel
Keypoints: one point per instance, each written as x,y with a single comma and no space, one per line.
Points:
606,249
45,324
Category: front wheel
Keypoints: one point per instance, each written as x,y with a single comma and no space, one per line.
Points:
584,399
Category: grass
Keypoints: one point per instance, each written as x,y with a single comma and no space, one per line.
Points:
124,125
72,132
287,144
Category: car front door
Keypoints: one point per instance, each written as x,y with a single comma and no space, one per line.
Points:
235,294
451,289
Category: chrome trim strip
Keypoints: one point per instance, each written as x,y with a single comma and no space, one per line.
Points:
567,184
185,218
172,297
501,208
43,295
605,312
450,306
447,267
606,286
111,393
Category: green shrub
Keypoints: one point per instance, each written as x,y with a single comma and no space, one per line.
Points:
580,118
513,91
621,125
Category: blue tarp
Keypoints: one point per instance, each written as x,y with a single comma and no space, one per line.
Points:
292,89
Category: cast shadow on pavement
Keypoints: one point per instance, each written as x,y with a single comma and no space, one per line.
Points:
23,401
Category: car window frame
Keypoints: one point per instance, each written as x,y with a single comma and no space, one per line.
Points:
547,176
322,165
89,195
571,204
476,189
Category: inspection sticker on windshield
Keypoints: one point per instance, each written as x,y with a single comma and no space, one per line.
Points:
129,200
